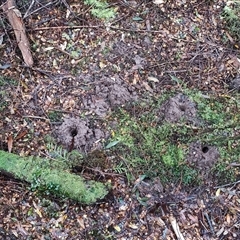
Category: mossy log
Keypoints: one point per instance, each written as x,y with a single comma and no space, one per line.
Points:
60,180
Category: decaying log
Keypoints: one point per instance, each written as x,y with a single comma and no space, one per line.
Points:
15,19
52,176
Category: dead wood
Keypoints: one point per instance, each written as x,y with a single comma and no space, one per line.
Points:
15,18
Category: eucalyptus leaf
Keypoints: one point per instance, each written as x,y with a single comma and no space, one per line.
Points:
175,79
137,19
112,144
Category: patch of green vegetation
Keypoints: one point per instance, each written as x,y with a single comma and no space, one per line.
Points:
6,81
62,157
5,94
101,9
147,147
55,116
3,103
231,16
38,184
52,178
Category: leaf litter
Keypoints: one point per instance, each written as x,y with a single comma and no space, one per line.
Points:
94,70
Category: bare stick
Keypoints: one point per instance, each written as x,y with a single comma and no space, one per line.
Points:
176,228
15,19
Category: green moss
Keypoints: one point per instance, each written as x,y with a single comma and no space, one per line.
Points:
42,175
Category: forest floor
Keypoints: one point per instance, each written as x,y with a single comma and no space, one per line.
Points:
84,71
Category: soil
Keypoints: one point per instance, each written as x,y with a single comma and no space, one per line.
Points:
202,157
179,108
82,74
84,135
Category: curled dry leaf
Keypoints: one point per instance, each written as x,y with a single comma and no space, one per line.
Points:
153,79
21,134
159,1
10,143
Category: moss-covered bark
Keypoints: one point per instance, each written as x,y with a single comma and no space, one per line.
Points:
34,169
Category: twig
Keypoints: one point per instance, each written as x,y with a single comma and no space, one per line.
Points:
227,185
26,13
15,18
37,117
209,222
234,165
175,227
65,27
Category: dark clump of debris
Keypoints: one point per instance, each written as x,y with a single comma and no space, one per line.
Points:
235,83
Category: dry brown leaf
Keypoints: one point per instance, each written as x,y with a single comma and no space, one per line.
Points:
81,223
21,135
159,1
147,87
133,226
183,217
60,220
10,143
153,79
37,209
117,228
220,231
228,219
194,219
218,192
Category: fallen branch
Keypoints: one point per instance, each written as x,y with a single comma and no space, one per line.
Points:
15,18
52,176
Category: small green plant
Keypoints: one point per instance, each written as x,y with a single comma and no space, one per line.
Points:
6,81
101,9
61,157
148,148
231,16
55,116
3,102
40,186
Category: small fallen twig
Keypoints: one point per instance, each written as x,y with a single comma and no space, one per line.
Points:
233,184
66,27
175,227
209,222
